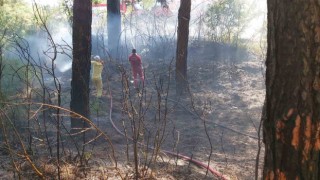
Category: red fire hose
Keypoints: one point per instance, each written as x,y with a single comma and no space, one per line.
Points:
183,157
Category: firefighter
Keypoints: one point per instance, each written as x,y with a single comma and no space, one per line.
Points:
97,64
136,66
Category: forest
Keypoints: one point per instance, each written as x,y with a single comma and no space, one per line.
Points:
159,89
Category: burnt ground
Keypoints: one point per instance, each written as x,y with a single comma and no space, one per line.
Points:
226,92
217,120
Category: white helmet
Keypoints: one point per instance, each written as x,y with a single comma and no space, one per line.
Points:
96,58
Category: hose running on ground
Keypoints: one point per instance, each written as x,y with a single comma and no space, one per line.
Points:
183,157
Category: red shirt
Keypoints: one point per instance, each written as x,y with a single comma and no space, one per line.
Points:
135,61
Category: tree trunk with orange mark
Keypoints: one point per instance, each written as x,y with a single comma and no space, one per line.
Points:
292,124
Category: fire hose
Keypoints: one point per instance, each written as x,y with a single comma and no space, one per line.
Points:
181,156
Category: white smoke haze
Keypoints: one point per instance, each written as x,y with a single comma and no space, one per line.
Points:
40,48
155,35
62,62
63,37
152,34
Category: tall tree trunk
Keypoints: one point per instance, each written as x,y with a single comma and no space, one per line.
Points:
114,27
292,124
182,46
81,41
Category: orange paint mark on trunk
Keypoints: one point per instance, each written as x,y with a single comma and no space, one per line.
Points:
279,126
289,114
296,133
270,176
317,143
307,138
281,175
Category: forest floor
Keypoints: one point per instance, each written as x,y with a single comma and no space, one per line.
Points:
218,119
226,92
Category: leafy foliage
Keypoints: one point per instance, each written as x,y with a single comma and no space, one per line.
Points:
14,76
226,19
15,18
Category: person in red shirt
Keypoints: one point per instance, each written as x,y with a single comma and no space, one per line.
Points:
136,66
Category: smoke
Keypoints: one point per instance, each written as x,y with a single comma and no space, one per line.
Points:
152,34
63,38
151,31
39,48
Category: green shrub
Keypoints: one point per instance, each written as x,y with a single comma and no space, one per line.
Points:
14,77
226,20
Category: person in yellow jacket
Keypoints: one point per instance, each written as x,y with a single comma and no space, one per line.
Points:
97,67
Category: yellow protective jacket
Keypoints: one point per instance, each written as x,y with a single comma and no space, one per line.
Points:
97,69
96,76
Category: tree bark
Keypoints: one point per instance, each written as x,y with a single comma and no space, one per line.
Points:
292,124
114,27
182,46
81,41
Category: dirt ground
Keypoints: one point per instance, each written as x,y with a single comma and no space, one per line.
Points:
222,111
218,119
